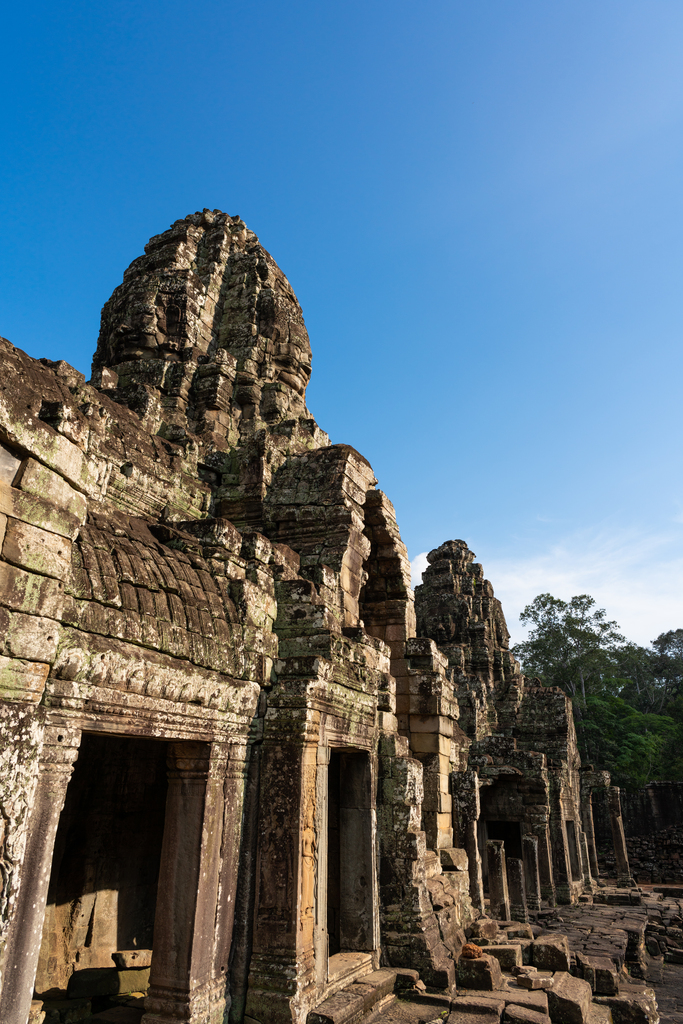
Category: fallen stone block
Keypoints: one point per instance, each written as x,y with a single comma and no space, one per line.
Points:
106,981
533,1000
569,999
599,1014
600,973
532,982
453,860
66,1011
477,1004
485,927
507,956
342,1008
36,1014
376,989
125,958
551,953
405,978
632,1009
516,1014
483,973
458,1017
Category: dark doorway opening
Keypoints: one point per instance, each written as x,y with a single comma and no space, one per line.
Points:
105,867
511,834
350,861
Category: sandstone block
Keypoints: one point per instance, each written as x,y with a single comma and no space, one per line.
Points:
127,958
24,591
483,973
22,680
534,982
484,928
516,1014
9,465
29,636
534,1000
551,953
569,999
430,743
38,479
107,981
477,1004
453,859
507,956
36,550
465,1017
601,974
36,511
405,978
632,1009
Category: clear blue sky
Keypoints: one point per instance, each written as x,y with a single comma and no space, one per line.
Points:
479,205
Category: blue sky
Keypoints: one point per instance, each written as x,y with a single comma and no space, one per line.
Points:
479,206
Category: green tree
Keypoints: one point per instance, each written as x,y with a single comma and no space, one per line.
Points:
627,700
571,644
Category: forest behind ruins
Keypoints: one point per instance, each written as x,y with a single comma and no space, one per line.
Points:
628,700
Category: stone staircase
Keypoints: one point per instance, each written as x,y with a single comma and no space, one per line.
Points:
363,997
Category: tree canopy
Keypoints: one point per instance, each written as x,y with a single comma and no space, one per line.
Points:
627,699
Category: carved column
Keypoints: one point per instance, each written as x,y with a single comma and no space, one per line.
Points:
235,820
516,888
282,980
589,828
182,986
60,750
545,866
618,837
498,884
531,875
558,840
466,810
585,861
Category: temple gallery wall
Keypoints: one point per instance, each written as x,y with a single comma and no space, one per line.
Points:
243,766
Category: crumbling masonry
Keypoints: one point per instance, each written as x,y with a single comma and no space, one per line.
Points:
241,762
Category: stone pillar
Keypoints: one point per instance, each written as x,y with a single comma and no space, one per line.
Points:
432,734
60,750
466,809
531,876
236,820
498,883
589,829
558,840
545,867
242,936
282,975
182,986
515,876
585,861
620,853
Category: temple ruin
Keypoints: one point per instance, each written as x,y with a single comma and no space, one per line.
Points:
245,769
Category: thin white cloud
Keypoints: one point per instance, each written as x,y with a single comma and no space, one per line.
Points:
417,567
635,577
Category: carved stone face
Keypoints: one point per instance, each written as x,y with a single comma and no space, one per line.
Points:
203,285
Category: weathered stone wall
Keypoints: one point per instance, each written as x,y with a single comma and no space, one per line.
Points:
205,607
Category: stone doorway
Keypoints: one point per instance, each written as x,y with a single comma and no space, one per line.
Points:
350,860
510,832
105,868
